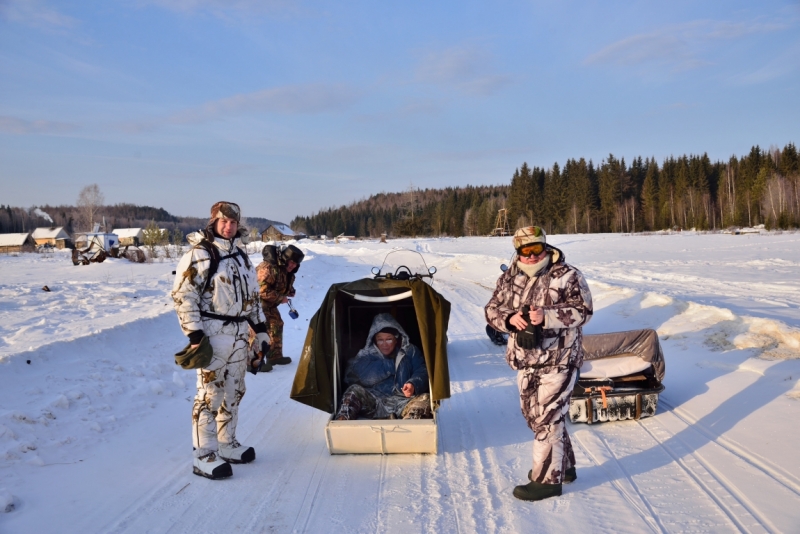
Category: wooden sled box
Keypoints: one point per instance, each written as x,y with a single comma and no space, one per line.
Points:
620,378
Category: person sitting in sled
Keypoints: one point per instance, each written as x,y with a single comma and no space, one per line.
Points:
387,378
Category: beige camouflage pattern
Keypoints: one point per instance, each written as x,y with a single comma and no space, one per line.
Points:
562,293
219,392
547,373
544,396
233,291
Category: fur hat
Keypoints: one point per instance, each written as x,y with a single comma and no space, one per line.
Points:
528,235
292,253
226,209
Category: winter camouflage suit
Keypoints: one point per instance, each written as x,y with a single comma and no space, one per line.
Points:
546,374
232,291
376,381
275,284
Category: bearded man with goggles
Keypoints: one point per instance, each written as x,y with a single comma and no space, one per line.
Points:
542,302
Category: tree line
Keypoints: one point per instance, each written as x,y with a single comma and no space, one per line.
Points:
688,191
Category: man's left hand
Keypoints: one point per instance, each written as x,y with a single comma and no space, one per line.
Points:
408,389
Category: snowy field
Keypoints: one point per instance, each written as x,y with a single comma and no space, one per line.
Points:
95,416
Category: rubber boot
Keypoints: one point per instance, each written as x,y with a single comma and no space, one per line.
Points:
534,491
570,475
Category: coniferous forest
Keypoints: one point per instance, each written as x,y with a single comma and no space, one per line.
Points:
761,187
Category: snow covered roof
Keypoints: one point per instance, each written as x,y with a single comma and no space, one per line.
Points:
13,240
122,233
50,233
282,228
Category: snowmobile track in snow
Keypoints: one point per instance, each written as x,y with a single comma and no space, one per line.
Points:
780,475
739,509
717,503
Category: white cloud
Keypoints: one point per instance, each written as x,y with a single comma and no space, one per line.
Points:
226,9
35,13
17,126
677,46
288,100
292,99
464,68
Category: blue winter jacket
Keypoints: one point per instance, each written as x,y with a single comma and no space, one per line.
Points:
386,376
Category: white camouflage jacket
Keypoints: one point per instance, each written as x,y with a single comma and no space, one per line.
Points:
562,293
232,291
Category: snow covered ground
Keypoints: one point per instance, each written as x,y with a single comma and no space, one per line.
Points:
95,416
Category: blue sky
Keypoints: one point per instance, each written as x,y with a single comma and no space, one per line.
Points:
288,107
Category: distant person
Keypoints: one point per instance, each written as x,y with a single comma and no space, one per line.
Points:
276,285
545,348
387,378
216,297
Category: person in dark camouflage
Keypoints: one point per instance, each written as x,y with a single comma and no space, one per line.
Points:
545,348
387,378
276,285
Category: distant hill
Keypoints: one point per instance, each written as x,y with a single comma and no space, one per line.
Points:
15,219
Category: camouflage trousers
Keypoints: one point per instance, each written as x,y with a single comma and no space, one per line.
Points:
358,401
544,398
275,332
219,391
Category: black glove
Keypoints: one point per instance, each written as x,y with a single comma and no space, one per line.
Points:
258,363
529,338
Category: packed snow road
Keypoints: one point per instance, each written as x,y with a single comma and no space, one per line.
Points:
95,430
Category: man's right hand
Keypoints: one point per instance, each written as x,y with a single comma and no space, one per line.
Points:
284,300
518,321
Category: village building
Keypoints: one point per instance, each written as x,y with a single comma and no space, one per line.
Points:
130,236
280,232
11,243
54,236
107,241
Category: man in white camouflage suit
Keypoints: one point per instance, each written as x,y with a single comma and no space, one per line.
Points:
545,348
216,297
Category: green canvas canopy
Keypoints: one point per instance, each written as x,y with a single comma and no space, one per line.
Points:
340,326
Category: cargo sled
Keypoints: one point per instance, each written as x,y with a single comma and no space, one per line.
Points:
339,329
620,377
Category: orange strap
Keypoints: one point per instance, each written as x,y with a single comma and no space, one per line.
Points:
602,390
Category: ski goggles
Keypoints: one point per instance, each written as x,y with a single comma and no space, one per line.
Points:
531,249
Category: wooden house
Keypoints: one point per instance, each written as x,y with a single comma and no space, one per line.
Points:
130,236
280,232
54,236
11,243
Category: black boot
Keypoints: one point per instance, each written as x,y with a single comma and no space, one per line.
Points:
570,475
534,491
279,360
